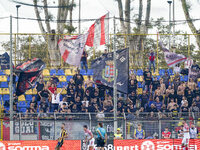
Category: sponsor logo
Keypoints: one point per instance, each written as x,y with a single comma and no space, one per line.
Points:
28,148
147,145
2,146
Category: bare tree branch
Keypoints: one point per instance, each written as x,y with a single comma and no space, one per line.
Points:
70,12
58,16
38,17
127,15
140,14
63,14
46,16
148,10
189,21
121,15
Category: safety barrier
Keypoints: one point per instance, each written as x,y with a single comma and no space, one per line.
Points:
155,144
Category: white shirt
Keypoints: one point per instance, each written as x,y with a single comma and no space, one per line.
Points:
55,99
193,133
186,128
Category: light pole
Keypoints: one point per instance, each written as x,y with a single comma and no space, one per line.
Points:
17,41
79,18
173,22
169,2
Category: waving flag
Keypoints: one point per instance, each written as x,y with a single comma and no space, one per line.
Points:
29,72
98,32
172,58
71,48
104,70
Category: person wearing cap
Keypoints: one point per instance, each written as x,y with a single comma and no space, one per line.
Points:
118,135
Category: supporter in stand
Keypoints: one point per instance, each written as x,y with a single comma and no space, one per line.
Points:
54,79
84,60
166,134
139,133
78,79
39,87
193,132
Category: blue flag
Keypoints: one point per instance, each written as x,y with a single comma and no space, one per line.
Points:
104,70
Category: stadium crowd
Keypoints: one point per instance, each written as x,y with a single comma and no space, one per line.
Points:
167,96
164,94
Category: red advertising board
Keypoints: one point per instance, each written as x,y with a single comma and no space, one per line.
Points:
39,145
161,144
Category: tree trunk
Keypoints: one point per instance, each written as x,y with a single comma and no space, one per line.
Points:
190,22
54,53
121,15
127,16
70,13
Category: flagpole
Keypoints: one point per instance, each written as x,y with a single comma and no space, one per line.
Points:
79,18
115,76
11,82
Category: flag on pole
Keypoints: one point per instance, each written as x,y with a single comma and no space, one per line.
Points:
172,58
98,32
71,48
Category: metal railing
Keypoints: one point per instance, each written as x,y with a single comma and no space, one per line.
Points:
47,126
32,45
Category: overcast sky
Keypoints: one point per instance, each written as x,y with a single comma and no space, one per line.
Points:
92,9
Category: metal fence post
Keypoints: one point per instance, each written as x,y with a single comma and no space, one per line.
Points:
29,47
90,121
188,45
159,128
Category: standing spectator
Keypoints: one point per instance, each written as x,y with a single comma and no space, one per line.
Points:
88,81
55,100
158,104
180,132
155,84
166,134
132,86
84,60
144,99
118,135
55,79
44,93
52,88
44,106
193,132
78,78
39,87
148,82
152,60
197,101
139,133
166,78
133,97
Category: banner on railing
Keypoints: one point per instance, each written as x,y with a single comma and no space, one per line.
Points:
157,144
39,145
25,127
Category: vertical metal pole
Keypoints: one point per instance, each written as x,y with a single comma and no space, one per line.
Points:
11,73
79,18
157,53
115,84
173,22
11,83
18,6
29,51
169,26
188,45
169,2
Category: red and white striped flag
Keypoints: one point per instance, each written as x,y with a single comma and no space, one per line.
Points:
98,32
71,48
